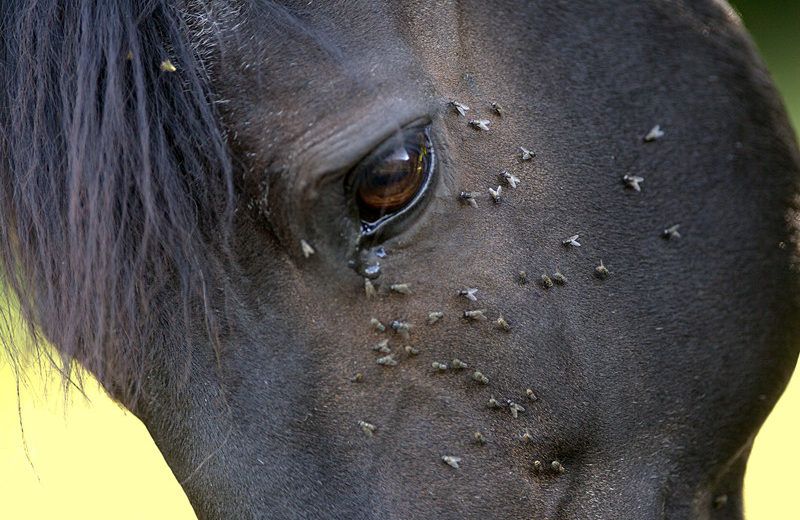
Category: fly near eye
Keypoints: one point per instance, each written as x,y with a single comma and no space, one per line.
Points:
394,177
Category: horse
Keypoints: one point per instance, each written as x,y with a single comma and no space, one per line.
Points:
376,259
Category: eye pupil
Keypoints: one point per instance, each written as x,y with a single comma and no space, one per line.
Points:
393,183
394,175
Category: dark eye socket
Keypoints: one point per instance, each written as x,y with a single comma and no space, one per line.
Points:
393,178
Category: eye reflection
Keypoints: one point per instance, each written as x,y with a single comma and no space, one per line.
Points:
394,177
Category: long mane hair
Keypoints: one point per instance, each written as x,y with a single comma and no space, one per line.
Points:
116,179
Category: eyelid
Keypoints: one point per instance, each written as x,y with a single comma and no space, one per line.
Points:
342,147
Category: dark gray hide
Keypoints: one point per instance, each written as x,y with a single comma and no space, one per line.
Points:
651,383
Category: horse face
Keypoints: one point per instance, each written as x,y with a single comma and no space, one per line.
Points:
623,376
630,384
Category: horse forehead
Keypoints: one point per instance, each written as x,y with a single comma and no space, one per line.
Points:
282,72
332,46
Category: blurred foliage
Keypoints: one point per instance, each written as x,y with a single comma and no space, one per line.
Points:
775,26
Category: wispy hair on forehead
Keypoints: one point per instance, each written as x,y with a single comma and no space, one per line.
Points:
117,188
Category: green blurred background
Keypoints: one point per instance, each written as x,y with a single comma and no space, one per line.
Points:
92,460
775,26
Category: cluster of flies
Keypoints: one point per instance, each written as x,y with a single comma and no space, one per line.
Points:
509,179
632,182
388,358
403,328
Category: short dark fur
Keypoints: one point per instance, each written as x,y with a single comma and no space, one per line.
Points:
120,193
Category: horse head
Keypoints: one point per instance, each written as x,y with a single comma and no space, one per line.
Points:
374,259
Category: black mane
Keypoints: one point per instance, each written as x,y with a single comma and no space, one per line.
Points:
115,175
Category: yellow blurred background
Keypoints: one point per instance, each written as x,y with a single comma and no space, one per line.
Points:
88,459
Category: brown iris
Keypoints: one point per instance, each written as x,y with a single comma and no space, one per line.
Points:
393,177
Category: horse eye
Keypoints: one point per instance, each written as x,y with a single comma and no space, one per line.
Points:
394,177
